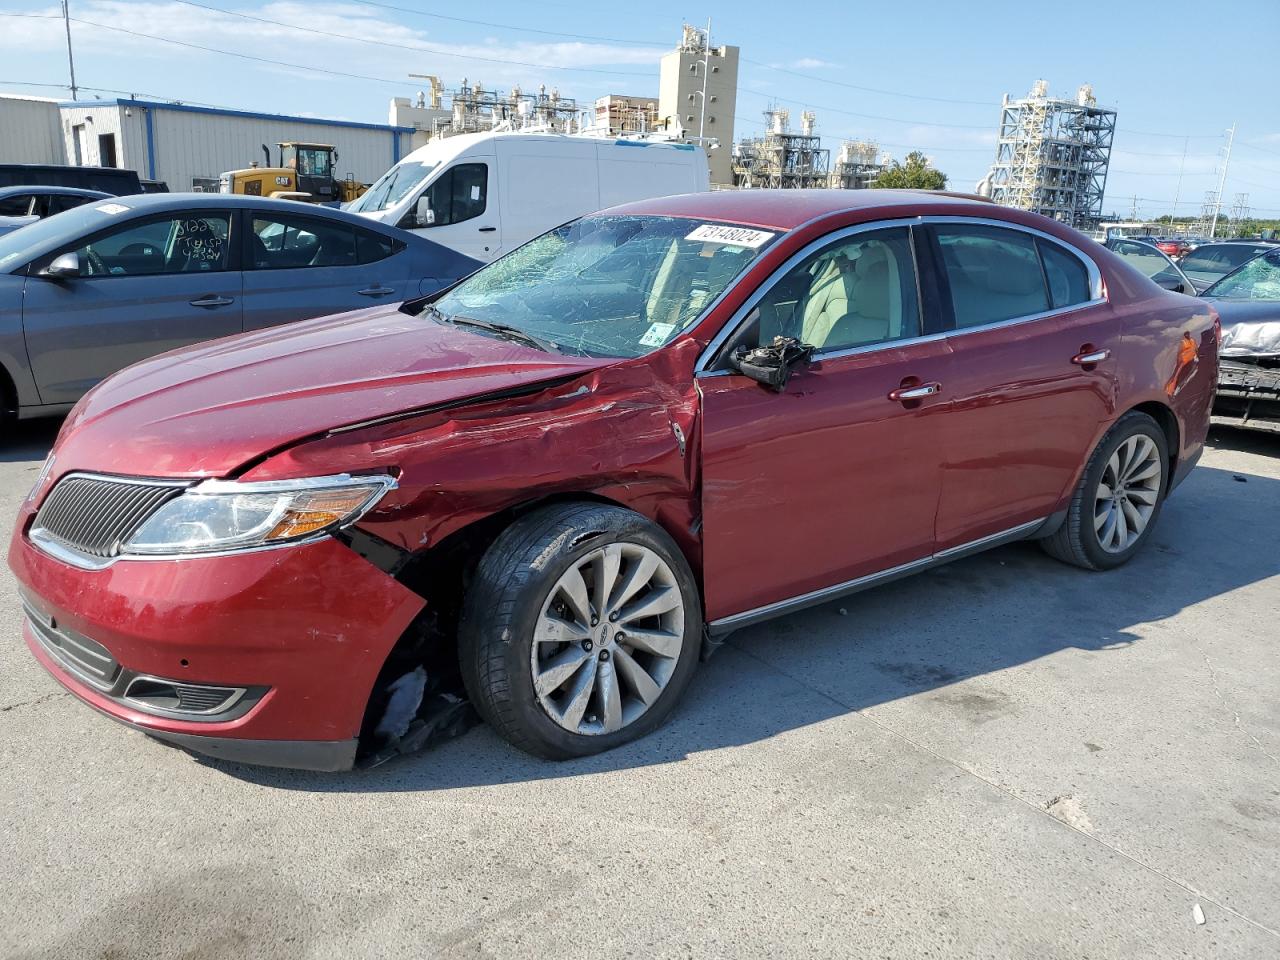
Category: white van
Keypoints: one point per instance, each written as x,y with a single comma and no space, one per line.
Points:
484,194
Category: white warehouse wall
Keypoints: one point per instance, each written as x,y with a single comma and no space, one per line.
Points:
30,130
176,143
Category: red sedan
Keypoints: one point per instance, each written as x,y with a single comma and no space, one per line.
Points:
548,491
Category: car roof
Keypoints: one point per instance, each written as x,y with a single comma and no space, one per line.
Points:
28,189
788,209
145,203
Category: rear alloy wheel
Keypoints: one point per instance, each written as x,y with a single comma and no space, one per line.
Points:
1127,493
580,630
1118,498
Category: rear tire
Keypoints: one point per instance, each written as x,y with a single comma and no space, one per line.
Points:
580,631
1117,502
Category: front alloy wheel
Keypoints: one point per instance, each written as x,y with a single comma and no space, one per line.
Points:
580,631
608,639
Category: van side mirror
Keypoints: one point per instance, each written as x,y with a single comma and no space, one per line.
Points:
64,267
772,365
423,213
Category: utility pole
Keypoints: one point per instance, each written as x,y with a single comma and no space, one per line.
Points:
71,63
1177,192
1222,181
706,70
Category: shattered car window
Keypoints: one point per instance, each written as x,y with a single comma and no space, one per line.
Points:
612,286
1259,279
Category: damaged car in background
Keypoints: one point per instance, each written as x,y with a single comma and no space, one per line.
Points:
1248,301
543,495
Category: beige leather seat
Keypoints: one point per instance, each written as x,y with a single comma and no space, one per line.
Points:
851,301
828,299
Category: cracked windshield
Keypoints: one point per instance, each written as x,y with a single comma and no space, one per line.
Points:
607,286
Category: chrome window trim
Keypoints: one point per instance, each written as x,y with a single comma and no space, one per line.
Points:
1095,274
74,558
701,368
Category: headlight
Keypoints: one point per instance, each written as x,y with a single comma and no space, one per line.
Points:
222,515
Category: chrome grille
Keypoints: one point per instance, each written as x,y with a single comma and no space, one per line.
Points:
94,515
87,659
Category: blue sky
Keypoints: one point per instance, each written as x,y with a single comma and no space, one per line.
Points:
926,75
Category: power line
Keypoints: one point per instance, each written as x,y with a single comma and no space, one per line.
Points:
336,73
1251,146
416,48
868,116
505,26
854,86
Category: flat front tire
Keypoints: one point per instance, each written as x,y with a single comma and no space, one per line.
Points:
580,631
1117,502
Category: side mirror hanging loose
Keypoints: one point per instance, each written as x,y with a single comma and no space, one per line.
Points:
771,365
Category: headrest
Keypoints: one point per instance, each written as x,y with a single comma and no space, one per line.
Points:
871,296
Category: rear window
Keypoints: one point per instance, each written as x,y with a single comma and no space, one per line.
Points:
1217,259
994,273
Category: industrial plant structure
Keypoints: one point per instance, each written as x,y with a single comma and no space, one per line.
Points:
857,166
782,158
474,108
1052,156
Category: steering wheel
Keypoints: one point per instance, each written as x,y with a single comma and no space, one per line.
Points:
96,265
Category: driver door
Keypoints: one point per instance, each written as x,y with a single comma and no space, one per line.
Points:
145,286
836,477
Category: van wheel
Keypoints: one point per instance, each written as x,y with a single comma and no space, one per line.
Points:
580,631
1118,500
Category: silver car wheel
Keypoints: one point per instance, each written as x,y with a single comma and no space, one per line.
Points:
1127,493
608,639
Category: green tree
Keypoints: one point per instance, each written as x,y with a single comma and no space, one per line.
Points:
915,174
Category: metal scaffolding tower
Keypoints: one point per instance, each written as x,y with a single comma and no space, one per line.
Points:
782,157
1052,155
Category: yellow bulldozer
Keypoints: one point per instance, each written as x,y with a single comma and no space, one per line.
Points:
305,172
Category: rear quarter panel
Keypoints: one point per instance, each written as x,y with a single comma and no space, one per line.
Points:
1168,355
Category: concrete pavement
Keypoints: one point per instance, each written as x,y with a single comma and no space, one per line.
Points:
1006,757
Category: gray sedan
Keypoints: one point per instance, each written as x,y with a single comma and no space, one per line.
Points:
92,290
20,206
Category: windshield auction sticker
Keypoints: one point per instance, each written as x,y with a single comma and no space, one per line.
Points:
737,236
657,335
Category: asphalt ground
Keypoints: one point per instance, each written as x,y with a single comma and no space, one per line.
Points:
1006,757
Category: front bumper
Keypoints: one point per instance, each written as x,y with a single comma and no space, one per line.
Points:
303,631
1248,395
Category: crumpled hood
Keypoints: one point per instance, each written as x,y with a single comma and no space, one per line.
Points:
1250,328
208,409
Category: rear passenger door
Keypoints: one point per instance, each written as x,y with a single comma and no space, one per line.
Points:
298,267
1031,378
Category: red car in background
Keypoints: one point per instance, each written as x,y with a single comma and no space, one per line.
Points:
549,490
1172,247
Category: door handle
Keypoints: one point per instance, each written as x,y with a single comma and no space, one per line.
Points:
1087,359
376,291
488,229
211,300
918,392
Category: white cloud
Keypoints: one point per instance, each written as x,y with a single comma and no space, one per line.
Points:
401,55
811,63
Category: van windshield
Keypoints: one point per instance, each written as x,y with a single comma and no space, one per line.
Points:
608,286
392,186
